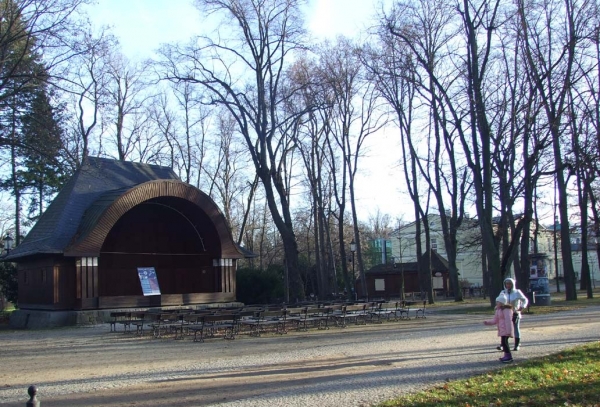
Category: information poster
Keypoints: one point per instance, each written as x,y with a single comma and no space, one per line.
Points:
148,280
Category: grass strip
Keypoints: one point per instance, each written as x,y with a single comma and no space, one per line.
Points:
569,378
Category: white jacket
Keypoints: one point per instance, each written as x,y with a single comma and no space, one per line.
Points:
515,297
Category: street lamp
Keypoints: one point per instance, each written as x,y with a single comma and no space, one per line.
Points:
556,253
402,297
593,278
353,249
8,242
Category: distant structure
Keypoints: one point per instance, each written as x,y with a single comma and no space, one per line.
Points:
123,234
387,280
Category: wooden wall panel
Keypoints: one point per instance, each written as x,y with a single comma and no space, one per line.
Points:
65,280
163,300
176,274
36,282
47,283
392,284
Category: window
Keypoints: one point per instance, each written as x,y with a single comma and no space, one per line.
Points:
434,243
379,284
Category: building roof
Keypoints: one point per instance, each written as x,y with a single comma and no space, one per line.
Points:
97,177
438,264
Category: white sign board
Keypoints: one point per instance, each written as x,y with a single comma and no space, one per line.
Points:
148,280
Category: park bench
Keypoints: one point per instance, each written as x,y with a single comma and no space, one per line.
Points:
317,317
340,315
352,313
251,322
141,319
162,322
215,325
403,309
420,312
178,323
264,321
359,312
120,318
383,310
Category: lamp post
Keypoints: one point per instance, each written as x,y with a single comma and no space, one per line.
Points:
556,253
8,242
353,249
593,278
401,268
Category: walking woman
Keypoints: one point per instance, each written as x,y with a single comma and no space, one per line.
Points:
517,301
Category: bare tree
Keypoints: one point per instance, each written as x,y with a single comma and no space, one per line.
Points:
441,166
551,38
228,171
194,121
310,132
242,69
593,112
355,115
87,93
164,123
127,95
582,114
521,147
44,28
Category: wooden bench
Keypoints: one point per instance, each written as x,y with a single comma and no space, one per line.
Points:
313,316
402,310
163,323
340,315
251,321
356,313
276,320
263,321
178,323
384,310
120,318
420,312
326,315
225,325
141,319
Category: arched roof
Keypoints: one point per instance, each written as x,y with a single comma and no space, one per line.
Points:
95,178
102,215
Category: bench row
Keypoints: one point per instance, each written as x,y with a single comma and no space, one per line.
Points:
230,323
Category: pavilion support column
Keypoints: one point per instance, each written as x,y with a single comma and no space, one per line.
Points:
87,281
224,275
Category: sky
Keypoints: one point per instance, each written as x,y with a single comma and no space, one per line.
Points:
142,25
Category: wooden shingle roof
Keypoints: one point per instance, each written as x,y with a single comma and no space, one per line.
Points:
96,178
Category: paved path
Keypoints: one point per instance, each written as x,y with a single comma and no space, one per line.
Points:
357,366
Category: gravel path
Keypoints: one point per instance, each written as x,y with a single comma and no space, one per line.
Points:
356,366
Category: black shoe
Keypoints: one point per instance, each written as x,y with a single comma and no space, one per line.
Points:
516,348
499,347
